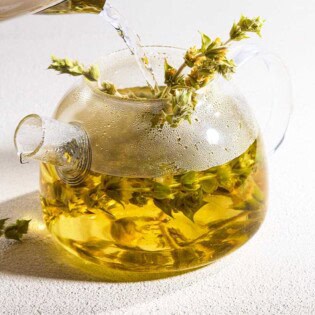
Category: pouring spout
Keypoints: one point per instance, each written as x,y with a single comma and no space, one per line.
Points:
64,145
75,6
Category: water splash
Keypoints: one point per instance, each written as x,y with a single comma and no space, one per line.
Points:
132,41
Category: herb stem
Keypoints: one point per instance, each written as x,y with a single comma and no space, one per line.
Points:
175,185
227,42
200,179
140,189
168,88
135,189
214,226
167,235
180,69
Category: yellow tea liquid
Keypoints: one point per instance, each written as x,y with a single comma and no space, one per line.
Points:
158,225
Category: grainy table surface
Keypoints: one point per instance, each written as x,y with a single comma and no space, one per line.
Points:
272,274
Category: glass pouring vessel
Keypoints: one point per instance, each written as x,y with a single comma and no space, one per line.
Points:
14,8
151,202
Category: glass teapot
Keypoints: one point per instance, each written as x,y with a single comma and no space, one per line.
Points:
148,201
13,8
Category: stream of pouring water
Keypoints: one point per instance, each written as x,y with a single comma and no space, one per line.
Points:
132,41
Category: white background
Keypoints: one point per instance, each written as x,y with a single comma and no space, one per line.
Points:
273,274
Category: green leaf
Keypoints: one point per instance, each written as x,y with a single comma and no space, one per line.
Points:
189,203
67,66
112,187
108,88
209,185
205,42
115,195
189,178
164,205
246,25
225,177
216,51
169,73
160,191
138,199
226,67
191,56
17,230
93,73
236,33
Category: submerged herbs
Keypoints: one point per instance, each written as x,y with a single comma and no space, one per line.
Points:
185,193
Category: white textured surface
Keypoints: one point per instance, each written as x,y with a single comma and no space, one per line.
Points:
273,274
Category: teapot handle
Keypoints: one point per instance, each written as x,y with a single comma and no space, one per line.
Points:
280,89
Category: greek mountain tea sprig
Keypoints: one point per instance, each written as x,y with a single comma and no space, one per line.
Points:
91,73
245,25
14,231
205,62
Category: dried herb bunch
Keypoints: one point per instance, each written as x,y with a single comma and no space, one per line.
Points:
180,89
14,231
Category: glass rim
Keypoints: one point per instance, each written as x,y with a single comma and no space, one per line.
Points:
155,101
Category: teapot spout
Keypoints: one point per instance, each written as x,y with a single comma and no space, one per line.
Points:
75,6
64,145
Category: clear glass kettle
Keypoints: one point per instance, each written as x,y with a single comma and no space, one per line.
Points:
151,202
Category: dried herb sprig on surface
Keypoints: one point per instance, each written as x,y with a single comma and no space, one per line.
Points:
14,231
